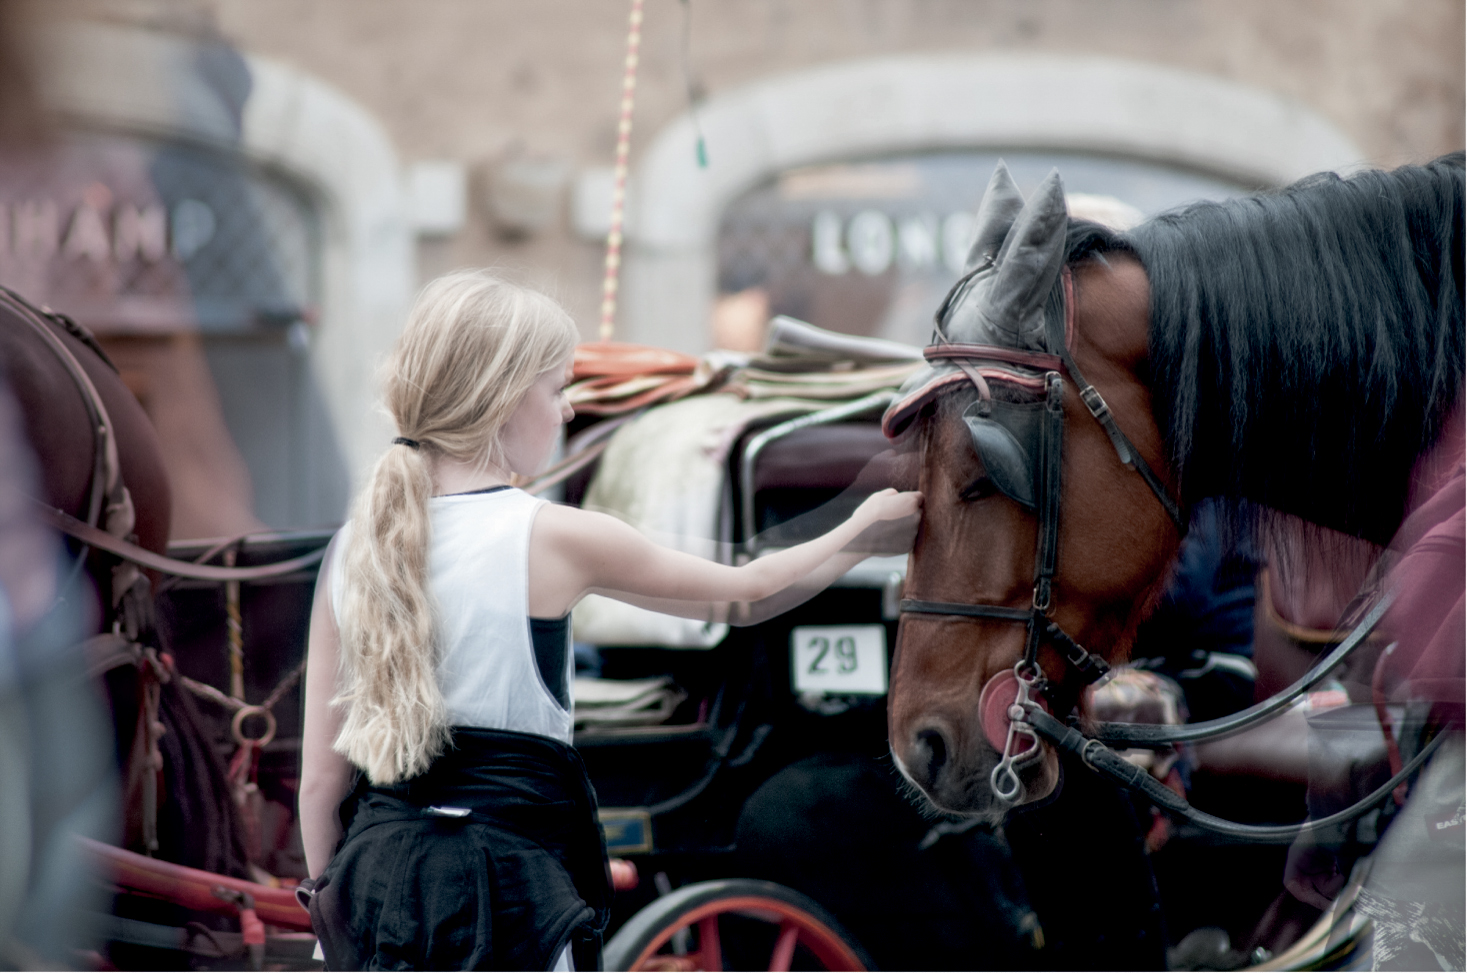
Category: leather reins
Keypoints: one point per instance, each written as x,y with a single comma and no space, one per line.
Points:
90,535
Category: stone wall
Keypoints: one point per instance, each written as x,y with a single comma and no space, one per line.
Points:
472,81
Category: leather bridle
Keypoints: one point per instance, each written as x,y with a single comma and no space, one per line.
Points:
1027,717
1050,368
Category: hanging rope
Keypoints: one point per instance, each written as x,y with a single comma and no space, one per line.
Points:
234,627
700,146
619,186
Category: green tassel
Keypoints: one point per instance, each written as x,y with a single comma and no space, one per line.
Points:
702,154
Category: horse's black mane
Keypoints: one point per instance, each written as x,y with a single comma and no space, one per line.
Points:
1306,345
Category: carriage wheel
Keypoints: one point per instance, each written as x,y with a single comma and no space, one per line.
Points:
680,931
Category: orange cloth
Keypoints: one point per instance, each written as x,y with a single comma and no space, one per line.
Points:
612,377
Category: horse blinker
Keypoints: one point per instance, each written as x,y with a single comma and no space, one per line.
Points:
1005,436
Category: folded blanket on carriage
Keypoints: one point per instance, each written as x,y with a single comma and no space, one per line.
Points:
602,703
833,386
801,360
613,377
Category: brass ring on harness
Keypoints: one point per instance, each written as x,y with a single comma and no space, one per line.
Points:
236,726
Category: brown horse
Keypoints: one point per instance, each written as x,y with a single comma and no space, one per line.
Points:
98,460
1300,351
58,424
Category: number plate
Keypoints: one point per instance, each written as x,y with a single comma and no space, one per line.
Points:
839,659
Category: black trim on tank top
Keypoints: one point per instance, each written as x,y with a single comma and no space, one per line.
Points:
470,493
550,638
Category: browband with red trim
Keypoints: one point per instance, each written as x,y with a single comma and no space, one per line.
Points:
1039,360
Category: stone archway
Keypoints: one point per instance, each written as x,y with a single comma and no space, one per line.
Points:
881,106
126,80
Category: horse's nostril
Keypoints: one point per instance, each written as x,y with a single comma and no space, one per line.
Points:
929,756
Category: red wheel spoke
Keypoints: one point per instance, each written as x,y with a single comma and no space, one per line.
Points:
710,953
796,921
784,947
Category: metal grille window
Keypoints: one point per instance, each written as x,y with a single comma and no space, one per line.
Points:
247,241
130,235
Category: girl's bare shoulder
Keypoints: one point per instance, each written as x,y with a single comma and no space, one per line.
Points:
557,522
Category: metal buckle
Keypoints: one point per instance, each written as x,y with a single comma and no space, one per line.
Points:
1093,746
1043,599
1094,402
440,811
1054,393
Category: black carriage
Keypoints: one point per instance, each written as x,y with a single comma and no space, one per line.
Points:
759,808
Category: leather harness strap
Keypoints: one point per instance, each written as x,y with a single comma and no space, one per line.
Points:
90,535
1123,446
971,611
1100,758
109,504
105,472
1057,335
1155,734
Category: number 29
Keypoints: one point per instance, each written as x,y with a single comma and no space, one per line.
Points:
845,654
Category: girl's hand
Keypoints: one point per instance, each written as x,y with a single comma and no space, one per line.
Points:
890,521
888,504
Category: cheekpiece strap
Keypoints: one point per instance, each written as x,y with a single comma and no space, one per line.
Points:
1098,408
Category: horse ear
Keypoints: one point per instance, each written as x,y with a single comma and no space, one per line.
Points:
1028,264
1000,205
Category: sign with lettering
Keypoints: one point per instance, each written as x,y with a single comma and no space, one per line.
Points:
131,235
838,659
871,247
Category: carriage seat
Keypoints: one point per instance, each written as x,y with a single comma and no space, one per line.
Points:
819,457
783,472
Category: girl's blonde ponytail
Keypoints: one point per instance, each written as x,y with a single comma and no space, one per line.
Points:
472,347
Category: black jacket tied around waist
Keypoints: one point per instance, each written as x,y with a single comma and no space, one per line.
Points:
491,859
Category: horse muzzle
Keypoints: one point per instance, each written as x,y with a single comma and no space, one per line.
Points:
983,764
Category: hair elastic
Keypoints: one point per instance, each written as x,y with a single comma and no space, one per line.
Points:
404,441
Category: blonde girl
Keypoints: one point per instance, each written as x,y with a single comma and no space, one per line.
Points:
447,821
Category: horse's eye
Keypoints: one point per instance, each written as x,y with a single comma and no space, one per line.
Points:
978,489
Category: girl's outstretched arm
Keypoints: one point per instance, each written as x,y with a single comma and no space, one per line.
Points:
574,552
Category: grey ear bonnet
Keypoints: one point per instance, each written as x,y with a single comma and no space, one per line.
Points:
1016,258
997,210
1014,264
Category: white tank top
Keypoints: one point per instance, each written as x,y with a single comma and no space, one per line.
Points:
478,571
